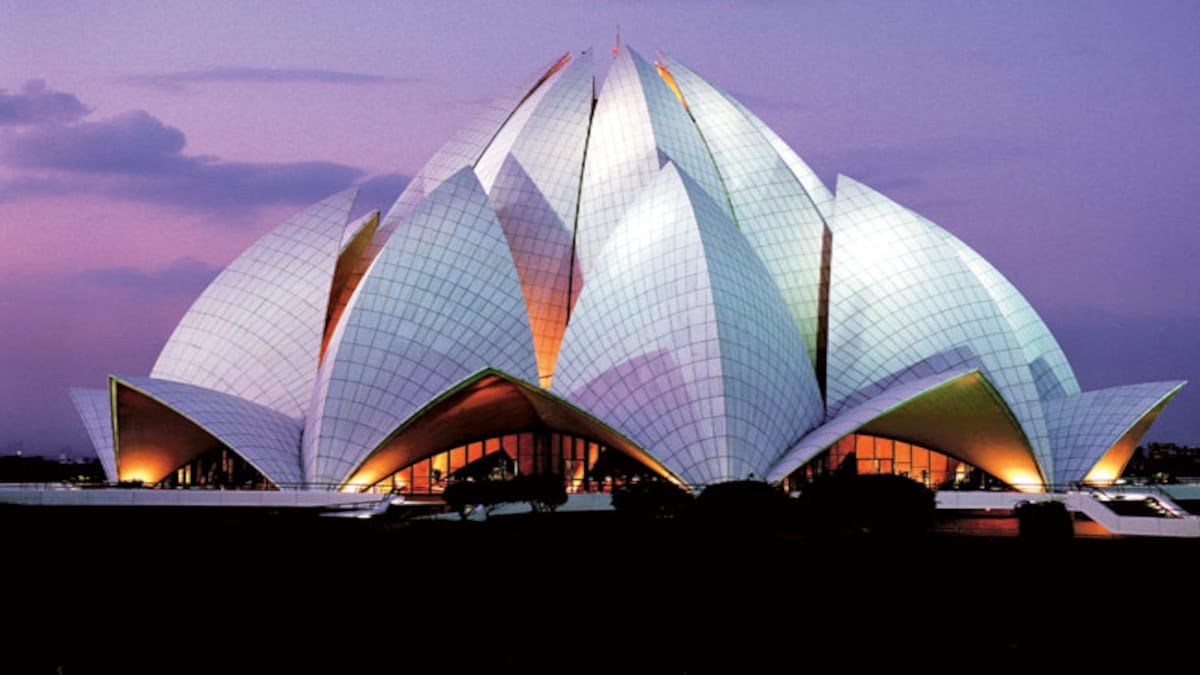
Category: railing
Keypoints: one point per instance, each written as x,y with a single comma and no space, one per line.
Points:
1144,480
46,485
1153,496
573,485
1106,490
1186,525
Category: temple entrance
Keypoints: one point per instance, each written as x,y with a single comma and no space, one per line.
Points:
866,454
584,465
490,413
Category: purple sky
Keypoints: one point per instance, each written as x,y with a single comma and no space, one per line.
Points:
144,145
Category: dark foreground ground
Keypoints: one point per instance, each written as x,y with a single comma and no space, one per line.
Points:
94,591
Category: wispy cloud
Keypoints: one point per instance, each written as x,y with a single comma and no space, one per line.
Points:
132,143
24,187
35,104
180,80
136,156
185,275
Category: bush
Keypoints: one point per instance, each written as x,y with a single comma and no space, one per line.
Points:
1044,521
651,499
543,493
744,502
880,504
464,495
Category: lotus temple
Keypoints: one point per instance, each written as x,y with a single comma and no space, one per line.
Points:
609,283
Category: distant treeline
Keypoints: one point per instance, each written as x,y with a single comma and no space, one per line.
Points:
1164,462
21,469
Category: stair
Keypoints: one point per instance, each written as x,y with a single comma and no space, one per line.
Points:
1167,519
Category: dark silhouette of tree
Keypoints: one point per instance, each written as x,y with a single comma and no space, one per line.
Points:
1044,521
1163,463
878,504
650,499
543,493
21,469
744,504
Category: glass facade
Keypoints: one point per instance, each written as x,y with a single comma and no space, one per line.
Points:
219,468
585,466
872,455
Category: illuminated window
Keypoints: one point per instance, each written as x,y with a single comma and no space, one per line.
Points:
865,454
585,466
219,468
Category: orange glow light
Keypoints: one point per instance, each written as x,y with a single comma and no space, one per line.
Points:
351,266
1023,481
1112,463
670,80
138,472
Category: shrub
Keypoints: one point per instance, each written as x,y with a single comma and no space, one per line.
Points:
650,499
543,493
462,496
751,503
1044,521
879,504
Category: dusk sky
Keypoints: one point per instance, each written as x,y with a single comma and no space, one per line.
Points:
143,145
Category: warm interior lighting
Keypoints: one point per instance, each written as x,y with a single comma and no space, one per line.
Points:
1023,481
153,441
547,304
133,471
558,65
550,283
546,349
879,455
503,410
667,77
966,417
962,417
1112,463
875,455
584,466
352,264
